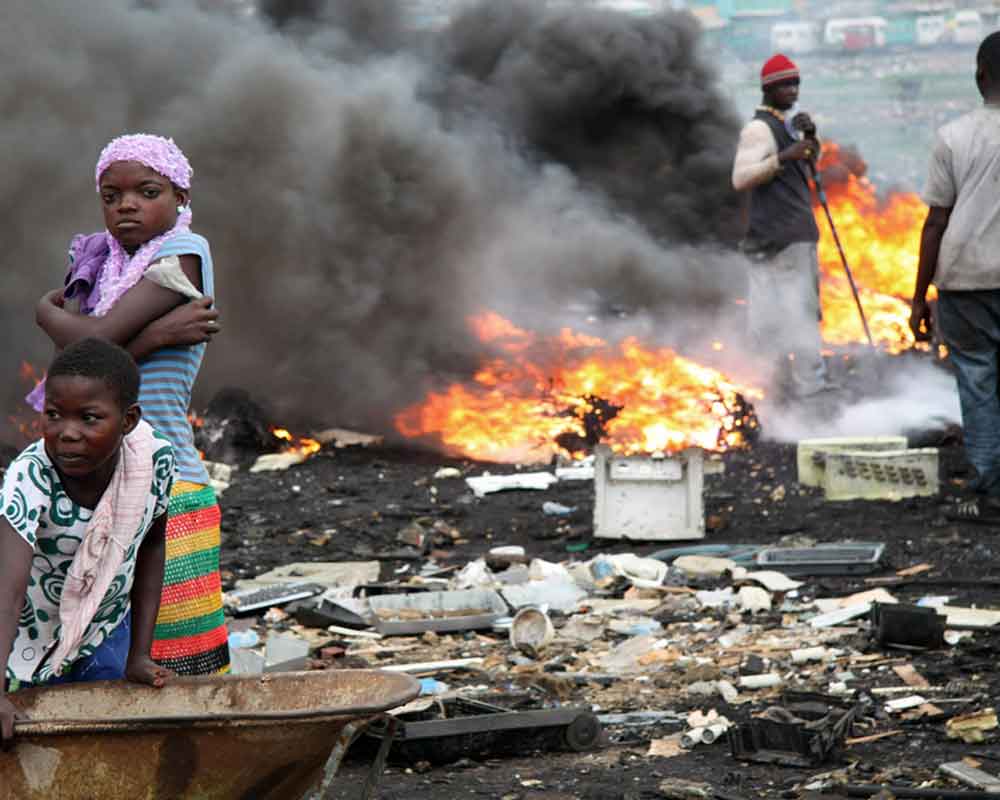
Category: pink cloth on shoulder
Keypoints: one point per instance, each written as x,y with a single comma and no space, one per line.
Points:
110,533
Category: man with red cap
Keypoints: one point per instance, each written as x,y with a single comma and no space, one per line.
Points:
773,164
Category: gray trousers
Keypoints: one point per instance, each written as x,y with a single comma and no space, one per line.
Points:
784,317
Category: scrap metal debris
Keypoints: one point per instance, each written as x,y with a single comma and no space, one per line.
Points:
788,652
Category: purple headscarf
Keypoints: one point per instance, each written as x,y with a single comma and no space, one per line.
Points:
100,271
107,272
154,151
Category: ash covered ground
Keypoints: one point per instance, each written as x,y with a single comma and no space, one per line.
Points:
349,504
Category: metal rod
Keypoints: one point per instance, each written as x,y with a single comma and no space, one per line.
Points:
821,193
347,735
378,765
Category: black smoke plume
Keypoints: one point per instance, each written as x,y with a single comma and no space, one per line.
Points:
366,188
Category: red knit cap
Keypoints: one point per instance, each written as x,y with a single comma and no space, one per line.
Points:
777,68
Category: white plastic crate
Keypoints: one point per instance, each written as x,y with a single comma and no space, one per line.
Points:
649,498
811,453
886,475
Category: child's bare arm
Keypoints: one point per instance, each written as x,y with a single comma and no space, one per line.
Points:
146,588
137,308
190,323
15,566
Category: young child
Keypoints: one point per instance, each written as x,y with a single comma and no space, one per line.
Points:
82,532
145,283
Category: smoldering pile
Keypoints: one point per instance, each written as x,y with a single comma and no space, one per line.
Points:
365,188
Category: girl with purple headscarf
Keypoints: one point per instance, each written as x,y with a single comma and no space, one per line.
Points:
145,282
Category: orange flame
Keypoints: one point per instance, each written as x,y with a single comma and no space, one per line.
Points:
881,239
25,421
299,444
29,374
543,387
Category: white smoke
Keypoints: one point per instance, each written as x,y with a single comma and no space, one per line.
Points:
915,396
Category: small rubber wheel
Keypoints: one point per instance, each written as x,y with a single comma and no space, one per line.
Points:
582,733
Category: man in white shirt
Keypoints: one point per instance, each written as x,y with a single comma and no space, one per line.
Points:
960,255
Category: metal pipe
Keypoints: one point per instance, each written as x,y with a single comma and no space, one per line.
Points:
821,194
767,680
692,737
713,732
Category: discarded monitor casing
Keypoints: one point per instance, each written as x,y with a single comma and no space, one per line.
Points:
908,626
875,468
649,498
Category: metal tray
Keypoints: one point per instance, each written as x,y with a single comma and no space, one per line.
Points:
854,558
492,605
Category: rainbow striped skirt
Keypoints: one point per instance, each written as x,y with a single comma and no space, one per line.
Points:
190,636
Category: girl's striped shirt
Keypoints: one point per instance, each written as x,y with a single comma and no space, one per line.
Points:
168,375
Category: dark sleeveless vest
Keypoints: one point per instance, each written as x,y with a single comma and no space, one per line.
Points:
781,209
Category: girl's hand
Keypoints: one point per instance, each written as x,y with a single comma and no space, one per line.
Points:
55,298
190,323
48,307
142,669
45,307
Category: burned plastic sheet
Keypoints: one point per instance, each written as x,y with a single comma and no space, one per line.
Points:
807,730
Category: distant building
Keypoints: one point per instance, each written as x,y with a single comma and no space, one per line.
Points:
641,8
749,23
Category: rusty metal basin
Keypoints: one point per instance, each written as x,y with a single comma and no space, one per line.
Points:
219,738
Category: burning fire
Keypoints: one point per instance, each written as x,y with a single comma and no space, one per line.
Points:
571,390
297,444
881,239
566,390
25,421
303,446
